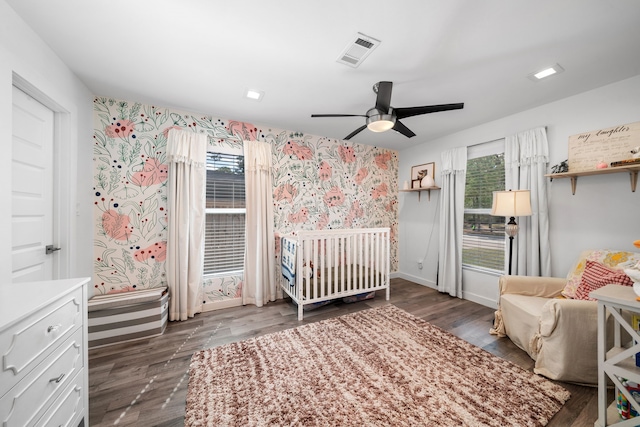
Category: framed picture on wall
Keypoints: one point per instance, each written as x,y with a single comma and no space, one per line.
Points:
420,171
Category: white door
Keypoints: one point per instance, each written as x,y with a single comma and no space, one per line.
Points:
31,189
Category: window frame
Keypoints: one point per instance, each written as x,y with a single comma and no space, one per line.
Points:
222,211
496,147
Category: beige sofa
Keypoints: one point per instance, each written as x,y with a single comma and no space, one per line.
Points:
559,333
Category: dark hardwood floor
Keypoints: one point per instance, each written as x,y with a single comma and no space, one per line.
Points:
144,383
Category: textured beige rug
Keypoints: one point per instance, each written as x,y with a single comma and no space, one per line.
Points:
377,367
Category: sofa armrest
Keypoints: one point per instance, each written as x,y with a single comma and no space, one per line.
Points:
566,344
545,287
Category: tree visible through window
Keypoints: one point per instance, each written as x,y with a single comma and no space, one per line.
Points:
225,214
483,235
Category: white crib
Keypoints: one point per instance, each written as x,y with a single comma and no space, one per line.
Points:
324,265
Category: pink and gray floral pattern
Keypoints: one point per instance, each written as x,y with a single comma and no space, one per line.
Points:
318,183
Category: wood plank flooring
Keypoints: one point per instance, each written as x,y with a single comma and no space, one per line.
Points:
144,383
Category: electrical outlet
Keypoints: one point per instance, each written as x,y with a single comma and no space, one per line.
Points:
419,264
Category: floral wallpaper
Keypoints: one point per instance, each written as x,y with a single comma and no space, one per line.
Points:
319,183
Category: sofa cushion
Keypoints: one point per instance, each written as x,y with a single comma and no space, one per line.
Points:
521,314
610,258
597,275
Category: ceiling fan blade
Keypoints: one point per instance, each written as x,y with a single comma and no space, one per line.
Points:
401,113
399,127
338,115
355,132
383,100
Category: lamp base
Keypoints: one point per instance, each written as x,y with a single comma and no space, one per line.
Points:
511,228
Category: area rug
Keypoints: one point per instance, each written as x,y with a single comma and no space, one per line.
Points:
376,367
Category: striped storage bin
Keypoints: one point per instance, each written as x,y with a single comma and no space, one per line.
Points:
117,318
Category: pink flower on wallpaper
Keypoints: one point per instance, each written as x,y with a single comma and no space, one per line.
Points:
389,206
361,175
121,128
152,173
116,226
238,293
346,154
334,197
157,251
246,131
355,212
299,217
323,221
285,192
382,160
380,191
292,148
277,240
166,131
325,171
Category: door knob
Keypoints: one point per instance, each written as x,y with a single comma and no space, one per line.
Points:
49,249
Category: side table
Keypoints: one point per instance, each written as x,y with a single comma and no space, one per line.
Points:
619,361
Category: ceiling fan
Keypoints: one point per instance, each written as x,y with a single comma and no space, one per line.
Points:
383,117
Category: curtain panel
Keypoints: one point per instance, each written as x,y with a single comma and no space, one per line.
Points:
454,168
526,158
186,186
259,264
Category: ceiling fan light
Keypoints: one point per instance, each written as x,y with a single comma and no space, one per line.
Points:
380,122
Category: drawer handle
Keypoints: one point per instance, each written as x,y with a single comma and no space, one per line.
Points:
53,328
57,380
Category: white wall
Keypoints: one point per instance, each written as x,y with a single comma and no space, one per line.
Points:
24,54
603,213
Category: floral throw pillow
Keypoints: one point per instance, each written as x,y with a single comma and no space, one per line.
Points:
596,275
609,258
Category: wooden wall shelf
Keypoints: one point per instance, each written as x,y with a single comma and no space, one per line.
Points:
632,170
420,190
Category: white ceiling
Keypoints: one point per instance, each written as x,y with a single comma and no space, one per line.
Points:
201,55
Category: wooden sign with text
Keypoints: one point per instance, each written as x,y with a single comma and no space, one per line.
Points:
608,145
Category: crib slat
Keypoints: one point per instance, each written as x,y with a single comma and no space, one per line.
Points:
362,257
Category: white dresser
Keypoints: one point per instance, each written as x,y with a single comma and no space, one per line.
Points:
43,353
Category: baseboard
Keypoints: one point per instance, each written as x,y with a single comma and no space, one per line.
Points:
479,299
418,280
487,302
219,305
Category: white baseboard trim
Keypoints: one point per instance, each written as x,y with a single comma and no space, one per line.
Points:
219,305
479,299
487,302
418,280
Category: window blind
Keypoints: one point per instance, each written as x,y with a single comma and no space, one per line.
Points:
225,214
483,235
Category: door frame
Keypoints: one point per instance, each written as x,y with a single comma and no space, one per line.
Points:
63,175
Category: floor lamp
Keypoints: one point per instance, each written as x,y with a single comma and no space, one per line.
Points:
511,204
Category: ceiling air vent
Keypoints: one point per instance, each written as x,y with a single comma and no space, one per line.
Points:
357,50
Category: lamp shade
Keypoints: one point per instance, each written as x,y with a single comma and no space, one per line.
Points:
511,203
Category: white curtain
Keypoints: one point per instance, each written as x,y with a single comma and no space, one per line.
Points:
187,155
454,168
259,260
526,157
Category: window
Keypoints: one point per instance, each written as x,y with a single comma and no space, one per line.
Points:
483,235
225,213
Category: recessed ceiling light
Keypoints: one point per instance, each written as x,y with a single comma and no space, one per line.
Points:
256,95
549,71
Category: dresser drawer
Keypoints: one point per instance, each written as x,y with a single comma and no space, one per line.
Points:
28,342
68,409
27,401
